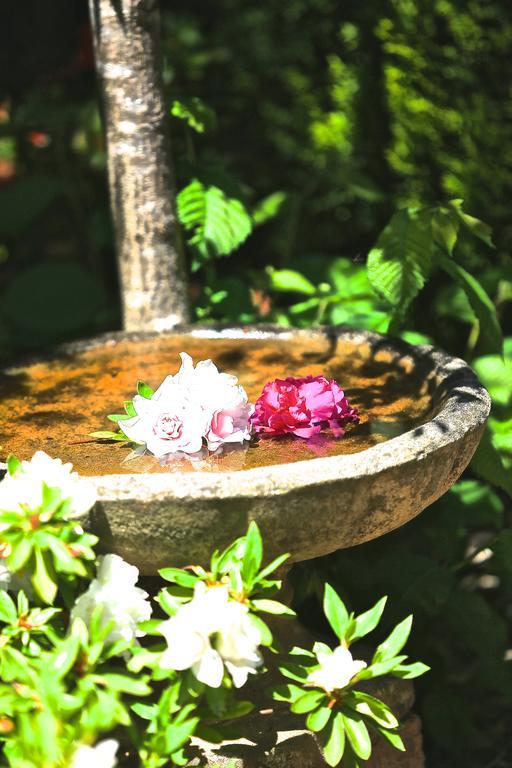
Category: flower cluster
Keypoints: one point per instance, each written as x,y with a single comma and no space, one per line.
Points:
302,406
115,595
210,632
24,485
196,405
71,665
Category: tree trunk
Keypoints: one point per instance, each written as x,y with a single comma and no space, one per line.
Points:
149,250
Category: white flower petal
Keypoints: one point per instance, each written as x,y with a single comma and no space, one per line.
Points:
209,669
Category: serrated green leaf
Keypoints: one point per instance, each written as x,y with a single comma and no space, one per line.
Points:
477,227
445,229
401,260
218,224
481,303
195,113
335,612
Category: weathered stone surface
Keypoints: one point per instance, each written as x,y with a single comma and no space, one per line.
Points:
278,740
423,415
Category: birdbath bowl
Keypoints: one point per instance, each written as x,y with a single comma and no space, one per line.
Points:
422,416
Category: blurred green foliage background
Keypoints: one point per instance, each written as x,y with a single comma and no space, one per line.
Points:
320,119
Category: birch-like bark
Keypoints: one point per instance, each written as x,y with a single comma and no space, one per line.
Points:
149,249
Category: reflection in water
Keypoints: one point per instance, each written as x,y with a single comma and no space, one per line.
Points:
54,405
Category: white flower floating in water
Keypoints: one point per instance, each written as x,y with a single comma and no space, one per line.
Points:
336,670
103,755
121,601
209,633
23,486
195,405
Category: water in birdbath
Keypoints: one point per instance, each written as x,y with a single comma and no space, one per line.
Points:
53,405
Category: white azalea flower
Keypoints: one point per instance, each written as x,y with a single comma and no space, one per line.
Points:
103,755
336,669
25,487
121,601
209,632
195,404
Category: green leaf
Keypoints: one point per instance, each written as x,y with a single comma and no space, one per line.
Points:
195,113
268,208
393,738
410,671
445,229
358,736
13,464
481,303
401,261
334,746
179,576
42,581
21,552
218,224
379,668
365,623
335,612
272,606
106,435
273,566
288,280
177,735
394,642
130,408
495,374
117,417
287,692
124,684
253,553
8,613
488,464
477,227
317,720
144,390
371,707
308,701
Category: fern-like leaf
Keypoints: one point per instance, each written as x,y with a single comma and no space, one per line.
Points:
218,224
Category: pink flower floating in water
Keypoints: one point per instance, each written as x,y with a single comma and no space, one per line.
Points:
302,406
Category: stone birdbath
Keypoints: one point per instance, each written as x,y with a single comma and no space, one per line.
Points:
423,412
